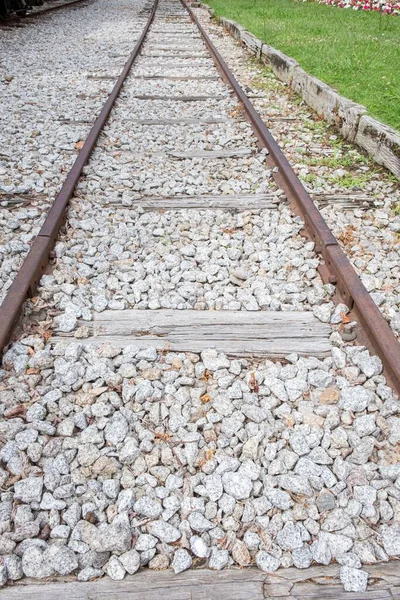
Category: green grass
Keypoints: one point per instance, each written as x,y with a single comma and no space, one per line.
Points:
358,53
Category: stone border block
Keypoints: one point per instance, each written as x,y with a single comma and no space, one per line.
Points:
348,115
315,93
336,109
283,66
251,42
381,142
234,28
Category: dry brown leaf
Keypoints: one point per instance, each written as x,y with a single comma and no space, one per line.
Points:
15,411
208,454
98,391
346,237
205,398
32,371
79,145
206,375
163,437
345,318
289,420
229,230
11,480
253,385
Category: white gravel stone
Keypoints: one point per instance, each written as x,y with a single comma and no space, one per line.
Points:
13,566
266,562
130,561
355,398
61,559
29,489
164,531
237,485
302,557
199,523
148,507
3,575
181,561
115,569
391,539
354,580
35,563
198,547
219,559
290,537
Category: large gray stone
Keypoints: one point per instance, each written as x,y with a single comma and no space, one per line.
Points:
355,398
283,66
237,485
29,490
354,580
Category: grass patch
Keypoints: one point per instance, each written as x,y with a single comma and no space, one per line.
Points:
358,53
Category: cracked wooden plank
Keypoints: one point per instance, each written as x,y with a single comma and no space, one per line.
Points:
315,583
150,585
189,65
234,153
229,202
178,77
323,583
102,77
237,333
179,121
180,98
344,201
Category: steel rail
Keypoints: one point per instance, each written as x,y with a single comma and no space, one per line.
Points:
34,264
339,270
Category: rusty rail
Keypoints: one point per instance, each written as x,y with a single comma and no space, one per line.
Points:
375,329
28,277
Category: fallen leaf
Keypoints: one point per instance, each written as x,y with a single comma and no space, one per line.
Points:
163,437
11,480
205,398
33,371
345,318
16,411
79,145
253,385
206,375
45,532
289,420
98,391
209,453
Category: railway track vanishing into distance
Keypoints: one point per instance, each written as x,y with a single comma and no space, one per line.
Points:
196,176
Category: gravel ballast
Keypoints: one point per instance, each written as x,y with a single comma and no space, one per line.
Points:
115,459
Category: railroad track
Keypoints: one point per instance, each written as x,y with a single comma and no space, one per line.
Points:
173,254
